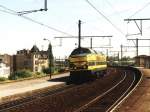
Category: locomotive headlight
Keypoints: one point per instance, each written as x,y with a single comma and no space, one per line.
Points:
85,66
71,65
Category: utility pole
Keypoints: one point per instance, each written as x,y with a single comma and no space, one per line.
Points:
117,54
137,45
79,39
107,53
45,5
50,57
121,51
91,42
137,50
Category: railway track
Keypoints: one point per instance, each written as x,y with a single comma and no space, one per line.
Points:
105,102
25,99
100,95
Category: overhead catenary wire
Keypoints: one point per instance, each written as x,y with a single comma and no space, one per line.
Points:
7,12
147,4
7,9
104,17
13,12
35,21
139,10
116,11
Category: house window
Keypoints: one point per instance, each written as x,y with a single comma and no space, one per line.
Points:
36,56
36,62
27,63
36,69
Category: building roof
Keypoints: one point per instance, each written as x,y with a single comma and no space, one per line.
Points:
34,49
142,56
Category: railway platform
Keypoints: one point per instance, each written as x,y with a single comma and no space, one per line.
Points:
10,89
139,100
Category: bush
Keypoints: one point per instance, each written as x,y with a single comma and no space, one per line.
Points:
38,73
3,79
61,70
20,74
48,70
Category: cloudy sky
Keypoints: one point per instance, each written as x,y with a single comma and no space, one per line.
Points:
61,19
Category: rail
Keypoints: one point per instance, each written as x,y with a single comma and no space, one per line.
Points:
103,94
138,79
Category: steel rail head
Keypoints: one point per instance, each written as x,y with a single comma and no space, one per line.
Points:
33,99
100,96
111,109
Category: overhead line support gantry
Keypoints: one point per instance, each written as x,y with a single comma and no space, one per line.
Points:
140,27
79,36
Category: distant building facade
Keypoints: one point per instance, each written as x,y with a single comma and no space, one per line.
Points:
7,60
4,70
61,62
33,60
142,61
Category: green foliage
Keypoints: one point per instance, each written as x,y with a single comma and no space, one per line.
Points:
20,74
3,79
61,70
38,73
126,58
48,70
113,58
50,56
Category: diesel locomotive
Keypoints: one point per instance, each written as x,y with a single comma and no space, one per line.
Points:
86,63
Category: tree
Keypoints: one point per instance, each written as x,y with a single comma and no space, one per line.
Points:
50,57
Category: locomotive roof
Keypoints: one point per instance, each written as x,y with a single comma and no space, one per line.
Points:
83,50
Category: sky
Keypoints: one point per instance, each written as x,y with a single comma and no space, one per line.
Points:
17,32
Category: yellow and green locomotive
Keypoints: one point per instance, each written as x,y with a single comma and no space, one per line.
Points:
86,63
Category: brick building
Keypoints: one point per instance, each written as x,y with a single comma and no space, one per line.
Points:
6,59
33,60
142,61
